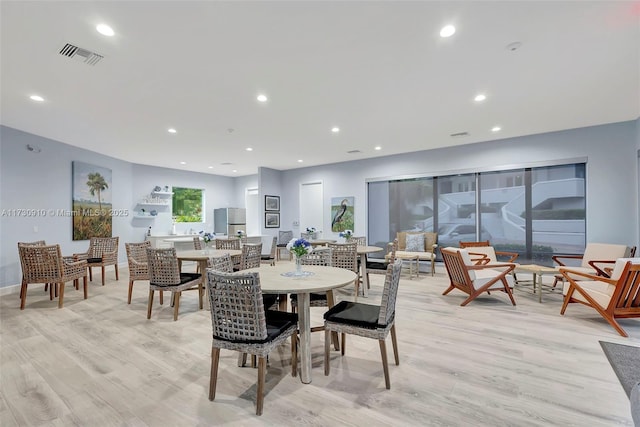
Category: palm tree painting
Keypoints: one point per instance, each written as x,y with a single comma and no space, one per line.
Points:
342,214
91,211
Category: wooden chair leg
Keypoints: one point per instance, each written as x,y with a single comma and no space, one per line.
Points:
253,360
385,363
327,346
102,268
117,276
90,274
84,286
150,303
344,343
176,304
130,291
294,354
213,376
61,298
161,298
51,291
394,342
242,360
23,295
262,367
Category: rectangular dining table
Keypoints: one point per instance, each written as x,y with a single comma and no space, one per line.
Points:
277,280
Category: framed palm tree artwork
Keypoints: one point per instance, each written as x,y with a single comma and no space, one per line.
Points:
91,205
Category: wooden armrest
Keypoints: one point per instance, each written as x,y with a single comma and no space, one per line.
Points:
556,258
568,273
479,258
602,271
493,266
512,255
80,256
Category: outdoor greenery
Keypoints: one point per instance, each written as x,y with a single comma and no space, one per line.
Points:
187,204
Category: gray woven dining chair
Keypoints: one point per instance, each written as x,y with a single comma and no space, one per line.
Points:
345,255
366,320
165,275
138,265
240,323
103,251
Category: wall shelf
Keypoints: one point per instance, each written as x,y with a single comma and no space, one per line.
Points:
162,193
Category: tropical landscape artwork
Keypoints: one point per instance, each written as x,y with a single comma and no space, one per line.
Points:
342,213
91,210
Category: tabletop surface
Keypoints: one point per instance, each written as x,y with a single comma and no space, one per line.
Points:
368,249
323,279
537,268
204,254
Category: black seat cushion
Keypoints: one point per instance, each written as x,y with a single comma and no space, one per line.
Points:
265,257
268,300
277,323
354,313
94,260
372,265
184,278
314,297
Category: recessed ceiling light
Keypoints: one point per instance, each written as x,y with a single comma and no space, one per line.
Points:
262,98
171,130
249,149
300,161
496,129
378,148
36,98
105,30
480,97
447,31
335,129
234,170
210,167
183,163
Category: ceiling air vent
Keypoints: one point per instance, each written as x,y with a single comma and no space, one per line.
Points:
459,135
84,55
354,152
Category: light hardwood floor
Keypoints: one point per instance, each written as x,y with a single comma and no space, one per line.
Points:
100,362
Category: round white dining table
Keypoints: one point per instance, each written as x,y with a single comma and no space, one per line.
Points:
323,279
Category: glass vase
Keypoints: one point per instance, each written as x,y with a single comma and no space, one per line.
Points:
298,265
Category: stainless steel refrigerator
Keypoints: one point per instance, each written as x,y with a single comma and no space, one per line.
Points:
229,220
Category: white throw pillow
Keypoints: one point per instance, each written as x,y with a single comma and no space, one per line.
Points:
415,243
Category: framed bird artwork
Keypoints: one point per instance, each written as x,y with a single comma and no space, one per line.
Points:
342,214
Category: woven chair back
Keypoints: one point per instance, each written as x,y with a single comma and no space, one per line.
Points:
344,255
41,263
390,293
197,243
319,256
222,263
100,245
251,254
237,309
163,266
230,243
360,240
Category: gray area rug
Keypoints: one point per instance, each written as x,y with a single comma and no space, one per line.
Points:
625,361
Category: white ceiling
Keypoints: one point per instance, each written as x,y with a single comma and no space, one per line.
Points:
378,70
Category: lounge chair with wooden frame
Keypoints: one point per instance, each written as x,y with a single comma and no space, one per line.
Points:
596,259
424,253
485,248
614,297
476,279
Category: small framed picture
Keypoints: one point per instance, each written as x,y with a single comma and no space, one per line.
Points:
272,203
272,220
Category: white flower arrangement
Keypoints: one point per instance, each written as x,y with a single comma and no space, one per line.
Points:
299,247
207,237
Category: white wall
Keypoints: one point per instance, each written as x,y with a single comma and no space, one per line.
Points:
610,150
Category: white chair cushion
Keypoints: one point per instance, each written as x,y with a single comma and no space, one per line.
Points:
600,291
487,274
602,251
619,266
